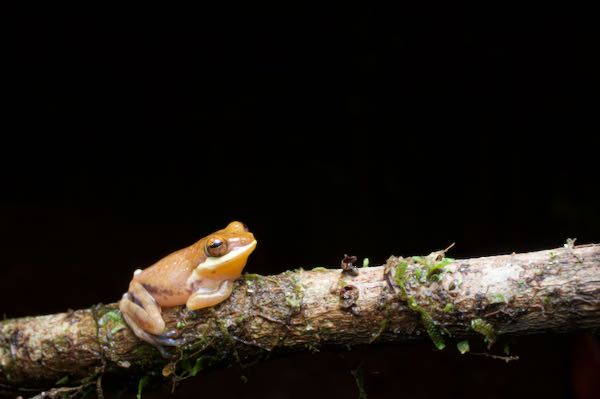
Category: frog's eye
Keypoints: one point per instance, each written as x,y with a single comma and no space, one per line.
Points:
216,246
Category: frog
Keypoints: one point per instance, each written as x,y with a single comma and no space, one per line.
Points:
198,276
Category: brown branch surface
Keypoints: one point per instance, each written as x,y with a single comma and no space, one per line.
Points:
553,291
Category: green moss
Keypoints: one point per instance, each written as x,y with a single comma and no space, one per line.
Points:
420,259
496,298
448,308
292,302
111,316
484,328
191,363
433,331
463,347
62,381
360,382
251,276
433,264
400,276
294,297
420,275
319,269
383,325
113,321
180,324
257,280
365,262
431,326
546,300
193,367
437,268
312,347
141,384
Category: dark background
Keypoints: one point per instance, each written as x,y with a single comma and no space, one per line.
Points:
328,131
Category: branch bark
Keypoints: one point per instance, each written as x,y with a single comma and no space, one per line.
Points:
482,299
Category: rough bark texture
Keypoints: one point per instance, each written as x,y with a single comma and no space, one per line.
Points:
554,291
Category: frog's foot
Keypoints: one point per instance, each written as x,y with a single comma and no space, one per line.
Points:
160,342
167,345
171,338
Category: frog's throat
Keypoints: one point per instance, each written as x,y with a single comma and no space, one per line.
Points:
230,263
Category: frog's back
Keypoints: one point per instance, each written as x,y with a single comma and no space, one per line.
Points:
167,279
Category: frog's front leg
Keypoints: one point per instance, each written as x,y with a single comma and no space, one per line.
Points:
204,297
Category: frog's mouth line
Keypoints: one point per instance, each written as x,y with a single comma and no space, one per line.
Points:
213,262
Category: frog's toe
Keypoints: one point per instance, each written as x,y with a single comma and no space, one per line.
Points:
170,333
167,345
166,352
167,339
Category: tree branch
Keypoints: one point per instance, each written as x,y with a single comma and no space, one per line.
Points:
554,291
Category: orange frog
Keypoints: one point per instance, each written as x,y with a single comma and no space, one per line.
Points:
198,276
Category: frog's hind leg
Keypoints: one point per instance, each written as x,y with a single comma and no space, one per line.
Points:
127,308
144,317
142,310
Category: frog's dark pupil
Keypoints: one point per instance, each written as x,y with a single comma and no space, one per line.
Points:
215,244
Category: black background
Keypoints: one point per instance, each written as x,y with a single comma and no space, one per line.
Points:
328,131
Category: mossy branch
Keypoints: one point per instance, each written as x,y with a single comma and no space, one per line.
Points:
482,299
